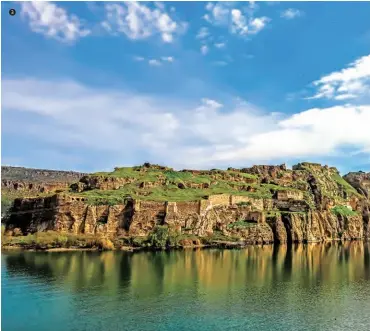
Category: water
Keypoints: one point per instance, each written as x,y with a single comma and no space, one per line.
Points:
306,287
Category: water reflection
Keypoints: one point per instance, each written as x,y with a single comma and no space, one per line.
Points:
154,273
303,287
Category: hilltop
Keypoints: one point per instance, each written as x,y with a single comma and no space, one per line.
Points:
259,204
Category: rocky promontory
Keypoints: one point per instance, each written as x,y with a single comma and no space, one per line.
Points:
151,204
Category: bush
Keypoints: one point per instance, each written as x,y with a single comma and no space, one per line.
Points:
343,211
244,203
241,225
105,244
158,238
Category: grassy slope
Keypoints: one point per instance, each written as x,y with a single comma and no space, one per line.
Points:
171,192
219,181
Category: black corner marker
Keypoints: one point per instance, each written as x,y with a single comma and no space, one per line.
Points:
12,12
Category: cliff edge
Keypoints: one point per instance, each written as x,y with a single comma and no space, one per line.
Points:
256,205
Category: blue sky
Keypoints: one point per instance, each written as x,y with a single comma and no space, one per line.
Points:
92,85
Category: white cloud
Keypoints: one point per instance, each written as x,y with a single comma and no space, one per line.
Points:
204,49
176,132
167,58
154,62
202,33
53,21
348,83
219,45
138,21
239,21
139,58
257,24
218,13
291,13
211,103
314,132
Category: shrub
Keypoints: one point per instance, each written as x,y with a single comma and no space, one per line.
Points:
343,211
244,203
242,224
105,244
158,238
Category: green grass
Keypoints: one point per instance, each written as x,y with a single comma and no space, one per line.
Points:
278,187
165,193
243,174
149,175
52,239
242,224
346,186
343,211
218,236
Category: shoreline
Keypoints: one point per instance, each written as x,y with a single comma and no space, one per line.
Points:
219,245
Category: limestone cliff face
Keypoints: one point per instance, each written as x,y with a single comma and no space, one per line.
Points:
309,203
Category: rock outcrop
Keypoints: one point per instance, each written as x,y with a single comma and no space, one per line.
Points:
309,203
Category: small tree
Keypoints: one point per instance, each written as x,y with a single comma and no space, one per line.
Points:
158,238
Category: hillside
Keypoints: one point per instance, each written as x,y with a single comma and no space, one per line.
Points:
19,181
260,204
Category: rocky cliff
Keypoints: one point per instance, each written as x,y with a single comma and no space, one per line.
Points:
261,204
21,182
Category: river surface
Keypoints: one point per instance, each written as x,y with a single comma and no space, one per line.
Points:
305,287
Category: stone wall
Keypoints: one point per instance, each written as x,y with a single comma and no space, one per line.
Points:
219,199
288,194
255,203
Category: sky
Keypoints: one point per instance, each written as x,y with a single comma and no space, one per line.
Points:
89,86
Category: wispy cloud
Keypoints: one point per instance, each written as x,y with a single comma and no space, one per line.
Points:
291,13
220,45
202,33
155,62
348,83
136,20
239,21
204,49
53,21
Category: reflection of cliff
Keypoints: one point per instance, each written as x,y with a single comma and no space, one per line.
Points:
213,272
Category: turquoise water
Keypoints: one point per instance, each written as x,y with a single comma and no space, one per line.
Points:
306,287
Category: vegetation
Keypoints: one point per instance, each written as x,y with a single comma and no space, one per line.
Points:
349,189
53,239
244,203
242,224
6,203
343,211
218,236
167,193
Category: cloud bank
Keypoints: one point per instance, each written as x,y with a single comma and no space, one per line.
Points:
198,133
